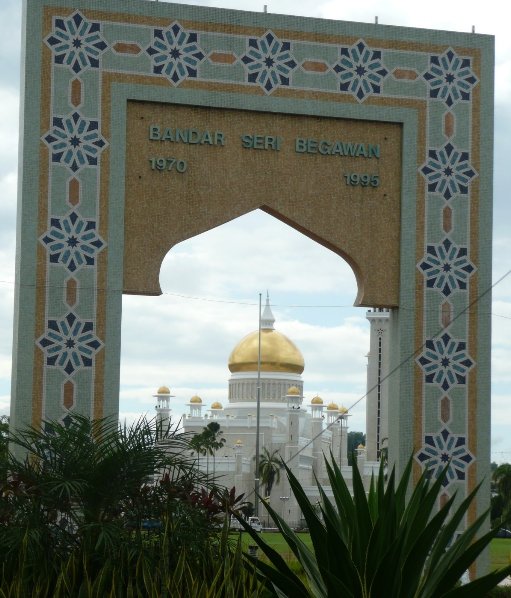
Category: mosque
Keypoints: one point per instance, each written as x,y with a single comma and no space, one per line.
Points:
302,433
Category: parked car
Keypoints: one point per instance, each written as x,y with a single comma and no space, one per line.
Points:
503,533
255,523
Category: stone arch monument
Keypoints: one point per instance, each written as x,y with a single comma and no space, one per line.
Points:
146,123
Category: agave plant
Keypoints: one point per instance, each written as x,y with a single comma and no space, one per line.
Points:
383,543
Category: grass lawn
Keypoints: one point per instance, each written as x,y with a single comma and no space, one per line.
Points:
500,552
500,555
500,548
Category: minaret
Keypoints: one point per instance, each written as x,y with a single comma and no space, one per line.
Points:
377,383
195,406
334,424
317,437
343,424
162,406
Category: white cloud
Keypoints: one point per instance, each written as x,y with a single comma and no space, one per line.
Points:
5,403
240,255
9,101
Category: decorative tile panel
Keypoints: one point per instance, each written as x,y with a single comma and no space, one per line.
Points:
446,267
445,362
361,70
69,344
75,141
450,78
268,61
175,53
448,171
72,241
446,450
77,43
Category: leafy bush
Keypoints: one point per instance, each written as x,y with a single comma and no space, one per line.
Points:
379,544
95,505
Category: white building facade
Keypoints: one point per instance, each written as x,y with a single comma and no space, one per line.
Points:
301,433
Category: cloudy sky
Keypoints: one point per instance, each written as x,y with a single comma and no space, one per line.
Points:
183,338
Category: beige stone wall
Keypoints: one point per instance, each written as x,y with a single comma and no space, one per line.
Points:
223,180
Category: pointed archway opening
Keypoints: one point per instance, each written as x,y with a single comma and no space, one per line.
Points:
210,285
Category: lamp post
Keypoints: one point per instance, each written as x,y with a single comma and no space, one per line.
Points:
258,416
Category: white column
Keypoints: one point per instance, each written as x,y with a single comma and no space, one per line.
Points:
377,383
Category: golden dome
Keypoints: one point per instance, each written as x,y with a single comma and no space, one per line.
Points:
293,391
163,390
195,399
216,405
317,400
360,446
278,353
343,410
333,407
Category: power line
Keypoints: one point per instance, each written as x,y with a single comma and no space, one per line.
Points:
240,302
408,358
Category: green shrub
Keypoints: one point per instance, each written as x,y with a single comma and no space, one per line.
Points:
75,515
382,544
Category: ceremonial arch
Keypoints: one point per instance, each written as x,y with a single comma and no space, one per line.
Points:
145,123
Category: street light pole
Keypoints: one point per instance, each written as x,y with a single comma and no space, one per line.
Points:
258,416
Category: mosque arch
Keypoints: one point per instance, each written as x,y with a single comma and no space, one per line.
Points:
150,274
375,286
306,191
360,274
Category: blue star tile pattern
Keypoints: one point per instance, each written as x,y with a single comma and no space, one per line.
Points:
445,449
77,43
448,171
70,344
361,70
450,78
446,267
75,141
269,62
175,53
445,362
72,241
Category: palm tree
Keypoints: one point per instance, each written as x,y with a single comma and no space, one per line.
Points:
208,442
214,440
197,444
269,469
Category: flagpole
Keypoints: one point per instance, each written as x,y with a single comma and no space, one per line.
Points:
258,416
